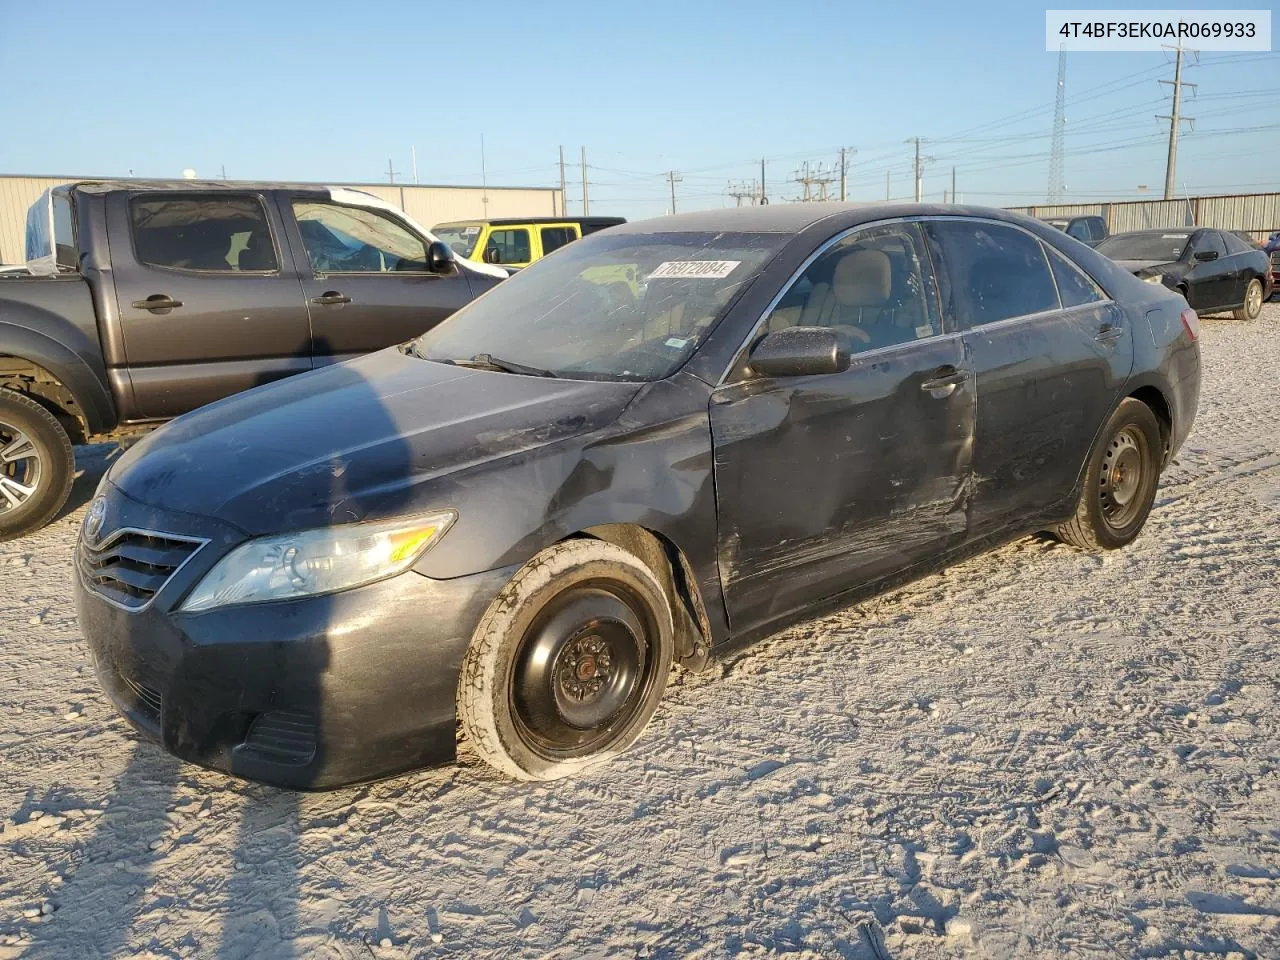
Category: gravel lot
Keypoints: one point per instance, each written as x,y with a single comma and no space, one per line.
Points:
1037,753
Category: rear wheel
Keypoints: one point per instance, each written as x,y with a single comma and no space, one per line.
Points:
37,465
1252,305
1120,481
568,663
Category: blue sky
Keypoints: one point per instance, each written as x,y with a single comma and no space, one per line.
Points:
328,92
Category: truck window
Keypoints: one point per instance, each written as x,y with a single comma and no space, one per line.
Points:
512,246
217,234
341,239
553,238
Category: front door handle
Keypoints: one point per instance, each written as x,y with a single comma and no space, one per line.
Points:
1109,334
331,296
157,301
943,382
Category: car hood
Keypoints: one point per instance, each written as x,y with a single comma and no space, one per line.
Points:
354,441
1144,266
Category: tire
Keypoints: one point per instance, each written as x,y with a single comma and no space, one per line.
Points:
37,465
568,663
1120,481
1252,305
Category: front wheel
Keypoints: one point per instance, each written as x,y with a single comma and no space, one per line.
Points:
1120,481
1252,305
568,663
37,465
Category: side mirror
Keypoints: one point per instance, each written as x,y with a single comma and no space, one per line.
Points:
492,255
439,257
1204,256
799,352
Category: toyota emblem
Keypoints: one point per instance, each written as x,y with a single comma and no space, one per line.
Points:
94,518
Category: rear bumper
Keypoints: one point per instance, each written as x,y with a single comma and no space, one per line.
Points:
309,694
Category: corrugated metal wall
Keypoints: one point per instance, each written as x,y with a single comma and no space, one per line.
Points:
428,205
1255,213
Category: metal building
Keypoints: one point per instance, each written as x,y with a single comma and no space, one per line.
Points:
428,204
1254,213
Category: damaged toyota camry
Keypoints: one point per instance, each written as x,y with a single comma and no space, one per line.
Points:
666,438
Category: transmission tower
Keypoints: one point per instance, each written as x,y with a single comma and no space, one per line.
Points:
814,180
744,190
1056,174
1175,121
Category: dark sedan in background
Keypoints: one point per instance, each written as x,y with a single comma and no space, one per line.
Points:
668,438
1215,270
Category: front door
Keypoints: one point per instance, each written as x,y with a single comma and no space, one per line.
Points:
1211,283
1050,351
366,279
209,300
826,482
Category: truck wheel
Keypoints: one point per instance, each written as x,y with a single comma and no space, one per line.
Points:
1120,481
568,663
36,465
1252,305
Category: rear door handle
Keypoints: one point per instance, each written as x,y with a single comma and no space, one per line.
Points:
157,301
1109,334
943,382
331,296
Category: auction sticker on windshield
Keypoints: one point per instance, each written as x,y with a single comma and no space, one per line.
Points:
694,269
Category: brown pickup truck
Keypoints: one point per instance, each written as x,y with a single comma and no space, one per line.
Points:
142,300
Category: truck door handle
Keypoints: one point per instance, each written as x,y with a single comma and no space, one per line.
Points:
157,301
1109,334
943,382
331,296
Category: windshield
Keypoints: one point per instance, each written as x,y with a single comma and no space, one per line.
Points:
462,239
609,307
1144,246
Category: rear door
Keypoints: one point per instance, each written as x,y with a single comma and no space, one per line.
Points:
366,279
553,236
210,302
1050,352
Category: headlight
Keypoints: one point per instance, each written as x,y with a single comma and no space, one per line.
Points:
1154,278
311,562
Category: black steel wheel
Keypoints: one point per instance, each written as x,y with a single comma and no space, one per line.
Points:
1120,481
37,465
568,663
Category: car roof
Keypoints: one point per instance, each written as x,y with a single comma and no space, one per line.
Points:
795,217
517,221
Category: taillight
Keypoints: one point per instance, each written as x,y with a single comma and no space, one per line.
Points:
1191,324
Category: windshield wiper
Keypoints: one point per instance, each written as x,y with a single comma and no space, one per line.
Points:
491,362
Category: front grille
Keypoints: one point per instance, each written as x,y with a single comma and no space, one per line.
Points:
131,566
282,736
148,698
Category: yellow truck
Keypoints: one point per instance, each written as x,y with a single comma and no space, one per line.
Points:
516,243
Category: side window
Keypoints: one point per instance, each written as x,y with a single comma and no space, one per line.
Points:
1099,228
512,246
1237,244
553,238
873,287
1080,230
1209,240
342,239
997,271
64,231
1074,287
216,234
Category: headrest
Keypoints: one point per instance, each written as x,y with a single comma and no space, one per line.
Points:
862,278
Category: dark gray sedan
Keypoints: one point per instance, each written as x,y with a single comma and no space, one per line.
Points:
657,442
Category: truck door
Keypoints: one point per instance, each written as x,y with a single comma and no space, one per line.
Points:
366,279
209,300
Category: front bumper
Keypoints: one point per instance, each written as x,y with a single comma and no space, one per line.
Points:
310,694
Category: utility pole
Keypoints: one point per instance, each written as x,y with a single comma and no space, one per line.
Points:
484,179
920,162
953,184
744,191
1175,119
585,206
674,178
1057,151
391,171
886,184
413,157
844,172
764,198
564,197
224,171
814,180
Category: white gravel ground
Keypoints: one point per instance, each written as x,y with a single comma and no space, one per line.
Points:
1038,753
